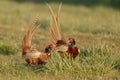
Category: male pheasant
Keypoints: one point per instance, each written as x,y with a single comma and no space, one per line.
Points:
65,48
34,57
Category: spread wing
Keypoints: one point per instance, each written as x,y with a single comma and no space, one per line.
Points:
26,44
55,30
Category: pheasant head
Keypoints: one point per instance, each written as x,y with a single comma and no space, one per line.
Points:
71,42
49,48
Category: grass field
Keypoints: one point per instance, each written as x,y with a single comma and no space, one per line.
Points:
95,29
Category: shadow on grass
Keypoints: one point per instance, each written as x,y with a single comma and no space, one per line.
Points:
36,68
109,3
7,50
117,65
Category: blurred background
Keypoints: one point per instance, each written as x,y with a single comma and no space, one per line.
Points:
110,3
93,24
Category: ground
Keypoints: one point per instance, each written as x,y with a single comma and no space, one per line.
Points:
96,30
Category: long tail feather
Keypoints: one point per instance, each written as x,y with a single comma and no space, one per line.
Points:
26,44
55,23
55,26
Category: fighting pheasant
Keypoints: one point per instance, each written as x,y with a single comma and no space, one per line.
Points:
34,57
65,48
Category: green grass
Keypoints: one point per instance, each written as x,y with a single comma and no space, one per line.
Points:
95,29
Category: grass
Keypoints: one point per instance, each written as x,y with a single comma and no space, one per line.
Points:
95,29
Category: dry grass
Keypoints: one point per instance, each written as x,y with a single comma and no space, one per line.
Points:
96,30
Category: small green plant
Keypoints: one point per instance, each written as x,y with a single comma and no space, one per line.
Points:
117,64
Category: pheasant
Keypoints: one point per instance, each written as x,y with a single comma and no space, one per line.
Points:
34,57
65,48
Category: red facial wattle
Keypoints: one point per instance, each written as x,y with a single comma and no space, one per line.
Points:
71,40
51,46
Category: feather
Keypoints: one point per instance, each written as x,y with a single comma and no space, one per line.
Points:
26,44
73,51
55,30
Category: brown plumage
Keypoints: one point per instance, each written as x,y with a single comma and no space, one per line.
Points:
72,49
34,57
62,46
